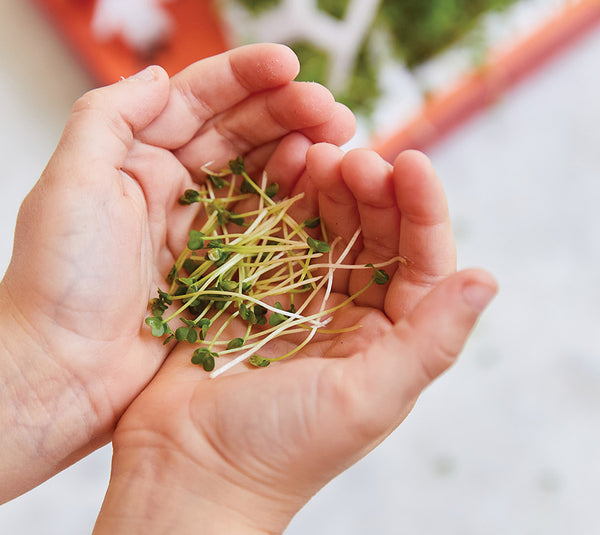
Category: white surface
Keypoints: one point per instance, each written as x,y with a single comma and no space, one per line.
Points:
505,443
142,24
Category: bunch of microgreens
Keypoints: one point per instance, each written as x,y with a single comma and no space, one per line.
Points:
238,263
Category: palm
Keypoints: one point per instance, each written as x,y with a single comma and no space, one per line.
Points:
112,213
290,427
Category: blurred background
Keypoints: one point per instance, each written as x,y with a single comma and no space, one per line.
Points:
507,441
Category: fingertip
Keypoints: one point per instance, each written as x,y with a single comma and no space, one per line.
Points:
362,161
411,153
323,149
413,161
281,58
300,105
287,57
323,163
342,125
152,73
264,65
419,191
413,169
104,120
479,288
339,129
368,176
317,101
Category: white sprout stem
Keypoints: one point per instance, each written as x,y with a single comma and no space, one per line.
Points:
231,190
257,249
209,222
338,262
210,191
308,338
263,187
275,253
256,273
379,265
252,228
329,278
292,286
290,277
226,171
222,328
245,297
246,354
211,277
348,248
286,325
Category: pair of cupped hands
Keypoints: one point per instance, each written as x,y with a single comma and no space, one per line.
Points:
243,452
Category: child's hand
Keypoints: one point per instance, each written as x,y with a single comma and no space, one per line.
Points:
243,452
98,232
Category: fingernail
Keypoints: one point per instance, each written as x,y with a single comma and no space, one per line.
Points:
478,295
146,75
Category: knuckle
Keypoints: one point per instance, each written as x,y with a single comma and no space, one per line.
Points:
90,100
96,107
437,358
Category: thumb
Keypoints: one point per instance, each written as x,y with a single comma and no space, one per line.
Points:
394,371
103,122
436,331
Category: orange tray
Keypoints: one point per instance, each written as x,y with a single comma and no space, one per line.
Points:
199,33
446,110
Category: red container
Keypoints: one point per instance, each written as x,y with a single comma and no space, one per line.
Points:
198,34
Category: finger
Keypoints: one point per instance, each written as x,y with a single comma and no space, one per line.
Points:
337,204
286,165
426,241
369,178
284,162
338,130
163,180
437,329
213,85
258,120
388,377
100,131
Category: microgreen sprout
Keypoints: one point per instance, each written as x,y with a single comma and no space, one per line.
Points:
313,222
247,276
216,181
258,361
317,245
190,196
379,275
196,240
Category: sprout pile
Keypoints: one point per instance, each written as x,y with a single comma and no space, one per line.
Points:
240,266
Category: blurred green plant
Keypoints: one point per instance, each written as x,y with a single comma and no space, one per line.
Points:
362,91
422,30
335,8
418,30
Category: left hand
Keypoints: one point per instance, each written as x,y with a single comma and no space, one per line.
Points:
96,235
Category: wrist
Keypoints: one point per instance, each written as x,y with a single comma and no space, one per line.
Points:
162,491
43,419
